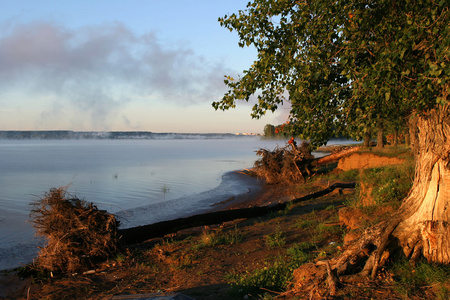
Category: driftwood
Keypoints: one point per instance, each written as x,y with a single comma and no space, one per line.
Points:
142,233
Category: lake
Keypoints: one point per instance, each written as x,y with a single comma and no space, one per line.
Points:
142,181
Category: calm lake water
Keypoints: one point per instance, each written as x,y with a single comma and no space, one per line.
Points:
142,181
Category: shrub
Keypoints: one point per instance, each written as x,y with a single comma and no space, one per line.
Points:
298,254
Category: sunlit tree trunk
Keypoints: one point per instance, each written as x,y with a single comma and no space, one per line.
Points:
425,213
421,226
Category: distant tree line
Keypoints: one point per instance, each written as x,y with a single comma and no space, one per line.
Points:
110,135
392,132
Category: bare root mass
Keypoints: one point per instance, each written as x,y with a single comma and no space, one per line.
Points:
289,164
78,234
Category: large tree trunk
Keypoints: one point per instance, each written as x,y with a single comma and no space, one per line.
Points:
421,226
425,213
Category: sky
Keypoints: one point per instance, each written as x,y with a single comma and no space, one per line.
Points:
104,65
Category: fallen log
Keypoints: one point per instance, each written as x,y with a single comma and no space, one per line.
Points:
335,156
142,233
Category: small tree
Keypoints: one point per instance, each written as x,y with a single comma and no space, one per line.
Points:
348,64
269,131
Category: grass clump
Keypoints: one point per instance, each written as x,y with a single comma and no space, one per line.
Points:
389,184
305,223
78,234
214,238
273,276
411,279
300,253
347,176
275,240
323,228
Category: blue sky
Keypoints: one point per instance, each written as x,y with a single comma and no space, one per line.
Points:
121,65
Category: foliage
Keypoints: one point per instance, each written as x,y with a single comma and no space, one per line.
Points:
269,131
343,66
77,233
305,223
324,229
298,252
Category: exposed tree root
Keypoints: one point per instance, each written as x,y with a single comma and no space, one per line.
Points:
289,164
292,164
361,260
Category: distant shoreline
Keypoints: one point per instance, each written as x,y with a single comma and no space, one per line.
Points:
108,135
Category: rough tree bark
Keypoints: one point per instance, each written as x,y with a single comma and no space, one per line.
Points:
425,213
421,226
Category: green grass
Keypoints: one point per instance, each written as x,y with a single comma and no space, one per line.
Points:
211,239
348,176
411,279
324,229
300,252
305,224
389,184
274,276
275,240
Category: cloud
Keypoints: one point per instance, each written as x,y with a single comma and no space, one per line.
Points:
97,70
